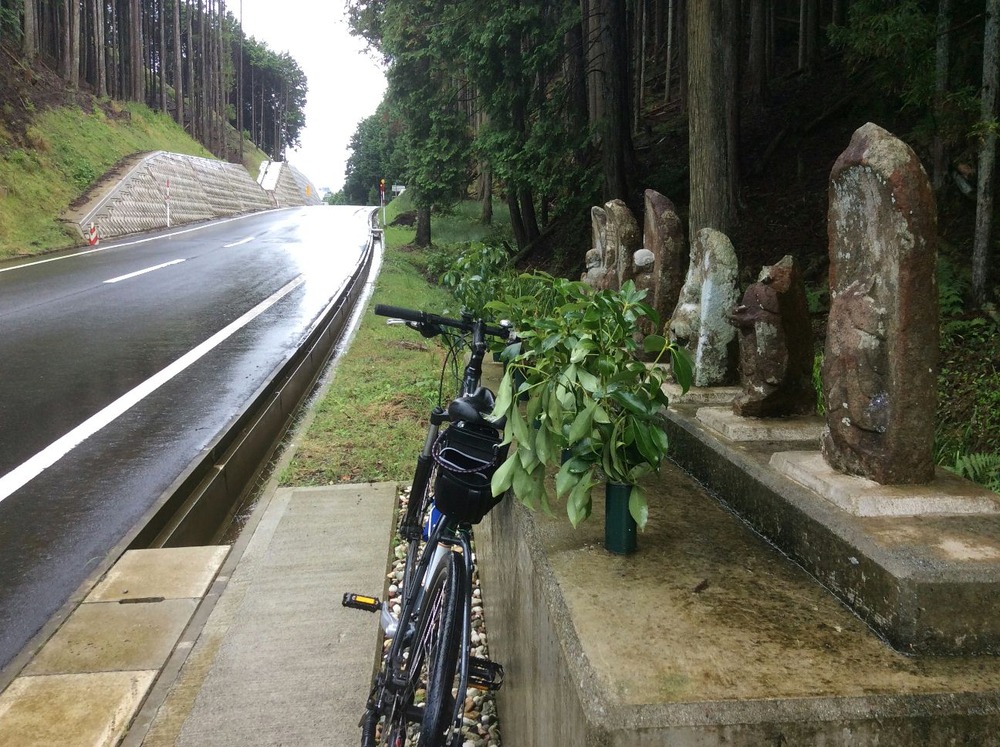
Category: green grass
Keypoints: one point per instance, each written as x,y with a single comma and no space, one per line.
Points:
371,423
69,150
463,225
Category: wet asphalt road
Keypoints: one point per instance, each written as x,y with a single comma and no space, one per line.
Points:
118,367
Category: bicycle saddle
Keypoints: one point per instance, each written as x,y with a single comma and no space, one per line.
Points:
473,408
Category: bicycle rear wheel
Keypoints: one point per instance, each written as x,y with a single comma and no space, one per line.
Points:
439,641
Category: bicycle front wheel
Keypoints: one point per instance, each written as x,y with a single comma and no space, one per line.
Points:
439,639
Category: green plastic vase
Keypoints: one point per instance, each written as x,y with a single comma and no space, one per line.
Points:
619,526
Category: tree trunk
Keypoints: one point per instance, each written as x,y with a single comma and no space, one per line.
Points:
100,54
29,42
114,60
576,72
681,25
178,67
757,62
808,34
423,237
529,219
162,56
486,194
239,89
220,77
64,57
210,77
137,90
641,22
193,110
987,155
940,159
615,125
516,222
74,45
594,51
711,115
204,72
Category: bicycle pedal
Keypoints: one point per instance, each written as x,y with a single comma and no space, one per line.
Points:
485,674
362,602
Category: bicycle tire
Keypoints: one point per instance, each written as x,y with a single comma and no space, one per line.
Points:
440,638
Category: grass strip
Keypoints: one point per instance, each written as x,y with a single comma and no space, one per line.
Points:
372,419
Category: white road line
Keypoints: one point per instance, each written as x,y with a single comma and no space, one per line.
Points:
29,470
143,272
247,240
120,244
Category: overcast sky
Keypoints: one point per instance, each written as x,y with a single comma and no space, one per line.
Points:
345,84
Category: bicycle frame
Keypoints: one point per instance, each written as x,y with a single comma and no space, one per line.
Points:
452,537
396,682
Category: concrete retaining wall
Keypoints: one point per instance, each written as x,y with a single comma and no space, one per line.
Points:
286,184
199,189
706,636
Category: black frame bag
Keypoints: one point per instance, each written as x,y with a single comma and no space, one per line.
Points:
466,457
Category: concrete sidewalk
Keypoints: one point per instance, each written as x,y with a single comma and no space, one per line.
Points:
279,660
161,654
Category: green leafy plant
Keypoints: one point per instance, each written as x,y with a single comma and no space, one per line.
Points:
474,276
592,407
817,380
524,298
983,468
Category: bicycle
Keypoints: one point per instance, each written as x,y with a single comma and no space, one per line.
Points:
429,653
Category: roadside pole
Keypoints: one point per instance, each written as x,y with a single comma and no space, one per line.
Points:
168,202
381,199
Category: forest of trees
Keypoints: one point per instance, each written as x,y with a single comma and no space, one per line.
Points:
552,103
188,58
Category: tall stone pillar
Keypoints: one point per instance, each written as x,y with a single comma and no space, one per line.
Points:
880,362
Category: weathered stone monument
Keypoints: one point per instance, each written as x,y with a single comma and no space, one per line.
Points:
776,345
615,236
700,321
663,238
880,363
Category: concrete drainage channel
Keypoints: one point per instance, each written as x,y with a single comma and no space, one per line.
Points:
198,507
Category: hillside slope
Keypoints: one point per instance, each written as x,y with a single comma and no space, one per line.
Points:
55,144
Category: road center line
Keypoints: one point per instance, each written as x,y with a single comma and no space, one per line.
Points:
30,469
247,240
143,272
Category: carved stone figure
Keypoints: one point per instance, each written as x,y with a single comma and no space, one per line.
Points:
615,236
880,363
776,345
663,236
700,321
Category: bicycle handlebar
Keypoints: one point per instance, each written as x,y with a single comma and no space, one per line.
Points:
425,319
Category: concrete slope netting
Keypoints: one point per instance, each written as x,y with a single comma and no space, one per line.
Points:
198,189
287,184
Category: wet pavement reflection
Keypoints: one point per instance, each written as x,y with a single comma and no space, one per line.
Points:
71,344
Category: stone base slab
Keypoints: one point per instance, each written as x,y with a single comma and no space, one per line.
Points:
946,494
706,636
738,428
928,582
700,395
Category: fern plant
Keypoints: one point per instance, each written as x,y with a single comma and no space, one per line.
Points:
982,468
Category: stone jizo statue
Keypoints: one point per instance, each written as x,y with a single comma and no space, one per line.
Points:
776,345
700,322
880,362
